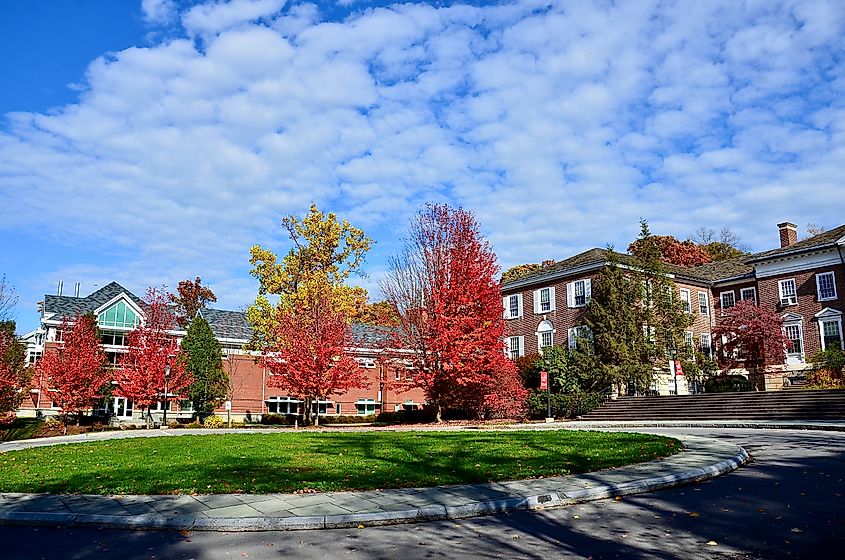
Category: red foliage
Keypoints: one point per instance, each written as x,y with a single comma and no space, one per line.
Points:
680,253
457,328
77,369
151,349
190,298
11,379
307,353
754,337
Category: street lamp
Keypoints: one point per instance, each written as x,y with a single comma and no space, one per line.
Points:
166,381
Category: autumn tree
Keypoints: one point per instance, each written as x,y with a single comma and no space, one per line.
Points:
324,250
379,313
189,299
201,354
307,351
672,251
444,288
151,348
14,375
722,246
750,336
77,368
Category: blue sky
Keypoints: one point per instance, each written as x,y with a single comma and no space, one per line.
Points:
147,142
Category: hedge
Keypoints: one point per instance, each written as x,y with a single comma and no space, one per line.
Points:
564,405
727,384
406,417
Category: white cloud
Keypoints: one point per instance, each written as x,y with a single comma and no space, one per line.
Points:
559,125
158,11
219,15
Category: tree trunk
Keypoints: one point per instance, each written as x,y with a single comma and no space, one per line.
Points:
438,415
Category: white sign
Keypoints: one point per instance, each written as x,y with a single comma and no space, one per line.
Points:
228,405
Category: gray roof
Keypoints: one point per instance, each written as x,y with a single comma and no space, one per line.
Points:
824,239
227,324
726,269
69,306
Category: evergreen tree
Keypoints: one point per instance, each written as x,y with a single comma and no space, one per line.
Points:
616,321
202,359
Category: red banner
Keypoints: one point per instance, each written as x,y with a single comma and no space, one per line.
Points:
678,369
544,380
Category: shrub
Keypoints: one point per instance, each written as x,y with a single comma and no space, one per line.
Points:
273,419
564,405
405,417
827,370
214,422
727,384
348,419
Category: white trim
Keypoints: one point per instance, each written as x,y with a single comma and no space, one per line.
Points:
785,299
506,300
787,265
831,319
688,301
538,310
544,327
819,289
722,299
706,303
128,300
753,294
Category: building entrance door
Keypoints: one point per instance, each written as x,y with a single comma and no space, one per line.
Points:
122,407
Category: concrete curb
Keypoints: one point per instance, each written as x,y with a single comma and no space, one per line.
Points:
435,511
731,424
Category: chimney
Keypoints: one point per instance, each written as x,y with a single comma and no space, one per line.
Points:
788,234
61,285
76,289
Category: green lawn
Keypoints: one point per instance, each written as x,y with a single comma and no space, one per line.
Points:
288,462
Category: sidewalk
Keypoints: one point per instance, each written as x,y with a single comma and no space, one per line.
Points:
701,459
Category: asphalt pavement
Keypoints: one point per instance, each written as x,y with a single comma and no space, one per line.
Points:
787,503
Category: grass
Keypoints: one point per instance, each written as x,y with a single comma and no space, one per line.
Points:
324,462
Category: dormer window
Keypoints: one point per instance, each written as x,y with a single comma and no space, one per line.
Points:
118,315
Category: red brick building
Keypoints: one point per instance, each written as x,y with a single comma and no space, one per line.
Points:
253,394
802,280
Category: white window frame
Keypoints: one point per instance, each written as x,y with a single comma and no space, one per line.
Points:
507,311
838,322
706,303
686,300
689,340
545,328
708,345
573,333
753,297
800,326
520,340
366,404
722,299
819,286
538,303
785,299
570,292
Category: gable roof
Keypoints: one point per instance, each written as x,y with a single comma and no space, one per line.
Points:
69,306
227,324
728,269
822,240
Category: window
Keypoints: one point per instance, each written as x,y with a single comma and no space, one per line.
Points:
748,294
186,405
826,286
118,315
544,300
788,294
685,300
703,303
706,345
113,339
515,347
578,293
33,358
728,300
322,407
831,332
282,405
545,335
546,340
397,375
578,336
795,336
367,363
366,407
688,340
513,306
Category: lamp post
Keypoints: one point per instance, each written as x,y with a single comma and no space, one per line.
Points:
166,381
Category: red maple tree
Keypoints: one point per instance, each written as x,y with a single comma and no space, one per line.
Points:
13,376
307,354
750,336
190,298
151,348
77,368
445,290
672,251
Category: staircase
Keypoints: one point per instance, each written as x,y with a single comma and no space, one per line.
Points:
772,405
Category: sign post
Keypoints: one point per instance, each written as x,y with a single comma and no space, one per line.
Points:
544,384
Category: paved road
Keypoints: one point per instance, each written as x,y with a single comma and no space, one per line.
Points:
787,504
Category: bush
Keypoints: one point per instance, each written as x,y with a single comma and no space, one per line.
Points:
406,417
827,370
727,384
214,422
273,419
348,419
564,405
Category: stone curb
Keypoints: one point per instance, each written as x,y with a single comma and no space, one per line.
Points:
746,425
431,512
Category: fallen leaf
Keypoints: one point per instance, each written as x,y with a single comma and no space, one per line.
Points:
712,543
693,514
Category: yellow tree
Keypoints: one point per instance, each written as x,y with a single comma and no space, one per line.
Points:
325,253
